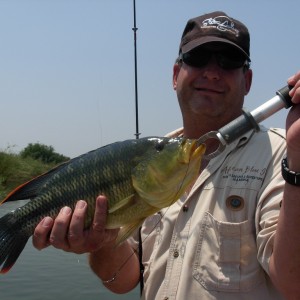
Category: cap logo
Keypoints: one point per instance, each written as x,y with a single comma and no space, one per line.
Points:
221,23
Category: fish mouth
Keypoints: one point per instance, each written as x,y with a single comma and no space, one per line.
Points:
192,150
198,149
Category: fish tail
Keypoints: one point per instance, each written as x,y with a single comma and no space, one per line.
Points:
12,243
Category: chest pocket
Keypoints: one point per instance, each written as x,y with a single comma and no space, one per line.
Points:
225,257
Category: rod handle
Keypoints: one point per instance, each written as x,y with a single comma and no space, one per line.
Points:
283,93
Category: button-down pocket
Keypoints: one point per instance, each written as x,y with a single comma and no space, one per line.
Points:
225,258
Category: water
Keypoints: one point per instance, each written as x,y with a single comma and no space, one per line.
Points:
52,274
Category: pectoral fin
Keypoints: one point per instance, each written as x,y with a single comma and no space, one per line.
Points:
121,204
127,230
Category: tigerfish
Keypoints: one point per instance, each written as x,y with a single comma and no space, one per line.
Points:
139,177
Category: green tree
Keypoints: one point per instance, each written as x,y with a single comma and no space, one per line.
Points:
44,153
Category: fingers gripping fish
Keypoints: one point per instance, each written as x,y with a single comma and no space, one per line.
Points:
139,177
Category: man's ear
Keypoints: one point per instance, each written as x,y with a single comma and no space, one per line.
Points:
248,80
176,69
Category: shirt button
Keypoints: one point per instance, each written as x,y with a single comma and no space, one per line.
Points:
235,203
185,208
176,253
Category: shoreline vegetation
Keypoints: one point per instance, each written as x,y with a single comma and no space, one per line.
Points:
32,161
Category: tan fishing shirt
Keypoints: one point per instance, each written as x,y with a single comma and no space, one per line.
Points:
216,241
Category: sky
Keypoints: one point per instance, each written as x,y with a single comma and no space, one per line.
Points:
67,66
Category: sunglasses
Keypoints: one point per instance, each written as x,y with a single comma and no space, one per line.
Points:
227,60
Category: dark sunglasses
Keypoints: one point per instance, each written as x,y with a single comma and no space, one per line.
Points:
227,60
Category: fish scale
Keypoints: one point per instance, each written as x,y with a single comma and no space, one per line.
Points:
133,174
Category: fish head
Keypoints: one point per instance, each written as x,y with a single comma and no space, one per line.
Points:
167,170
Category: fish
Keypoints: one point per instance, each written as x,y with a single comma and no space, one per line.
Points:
139,177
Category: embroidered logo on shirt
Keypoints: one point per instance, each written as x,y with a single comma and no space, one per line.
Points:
245,174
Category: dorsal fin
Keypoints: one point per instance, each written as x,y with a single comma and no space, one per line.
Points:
29,189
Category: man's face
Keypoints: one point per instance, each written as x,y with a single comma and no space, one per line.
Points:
210,91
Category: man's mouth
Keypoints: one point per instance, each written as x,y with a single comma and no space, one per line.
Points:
209,90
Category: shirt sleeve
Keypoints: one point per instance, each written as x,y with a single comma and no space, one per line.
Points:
269,203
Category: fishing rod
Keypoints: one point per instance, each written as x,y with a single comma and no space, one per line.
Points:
247,121
137,133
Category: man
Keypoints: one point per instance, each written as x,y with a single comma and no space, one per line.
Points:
235,233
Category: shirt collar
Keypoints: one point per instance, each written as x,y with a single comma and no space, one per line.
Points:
236,144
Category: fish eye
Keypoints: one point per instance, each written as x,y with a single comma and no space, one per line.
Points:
159,146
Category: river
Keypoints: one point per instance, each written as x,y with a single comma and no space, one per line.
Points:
52,274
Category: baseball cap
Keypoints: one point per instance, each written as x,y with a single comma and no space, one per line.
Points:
215,27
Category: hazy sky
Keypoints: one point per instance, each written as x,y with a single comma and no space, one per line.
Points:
67,66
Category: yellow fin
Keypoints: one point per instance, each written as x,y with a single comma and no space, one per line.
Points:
127,230
121,203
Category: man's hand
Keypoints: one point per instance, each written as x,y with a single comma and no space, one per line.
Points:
67,232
